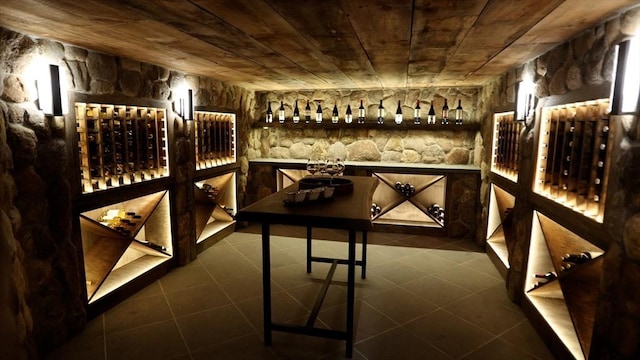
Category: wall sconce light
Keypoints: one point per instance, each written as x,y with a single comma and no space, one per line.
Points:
626,89
524,99
52,96
185,105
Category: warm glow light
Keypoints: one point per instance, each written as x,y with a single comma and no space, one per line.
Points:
52,93
631,77
525,96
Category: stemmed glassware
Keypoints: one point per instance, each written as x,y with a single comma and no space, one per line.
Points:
312,166
322,166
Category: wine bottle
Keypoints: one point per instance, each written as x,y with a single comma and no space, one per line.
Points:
431,117
348,118
380,114
307,113
361,113
577,259
416,113
445,113
459,113
548,276
296,113
334,114
281,113
398,118
319,114
269,118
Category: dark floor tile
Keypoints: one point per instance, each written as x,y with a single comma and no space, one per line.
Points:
82,346
397,272
398,344
211,327
308,293
485,313
249,347
219,252
244,287
367,320
197,298
224,269
468,278
456,254
184,277
399,304
157,341
136,313
284,309
150,290
483,265
436,290
452,335
498,349
278,258
427,262
525,337
301,347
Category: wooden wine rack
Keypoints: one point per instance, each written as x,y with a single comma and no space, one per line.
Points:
215,206
572,156
124,240
215,139
500,227
396,208
120,145
506,145
567,303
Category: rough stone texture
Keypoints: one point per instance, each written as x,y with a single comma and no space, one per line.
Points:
102,67
574,77
300,151
73,53
161,90
80,75
457,156
363,150
130,82
13,89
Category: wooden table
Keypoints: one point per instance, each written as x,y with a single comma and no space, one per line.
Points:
351,211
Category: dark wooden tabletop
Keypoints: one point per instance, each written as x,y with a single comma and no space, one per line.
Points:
345,211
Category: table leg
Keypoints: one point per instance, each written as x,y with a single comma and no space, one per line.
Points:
351,267
364,254
266,283
308,249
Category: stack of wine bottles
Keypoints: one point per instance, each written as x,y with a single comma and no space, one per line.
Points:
375,209
506,145
572,156
120,145
215,139
406,189
436,212
569,261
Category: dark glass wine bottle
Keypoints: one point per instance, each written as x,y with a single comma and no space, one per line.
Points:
281,113
348,117
398,117
548,276
416,113
431,117
380,114
577,259
319,114
296,113
307,113
269,118
361,113
445,113
334,114
459,113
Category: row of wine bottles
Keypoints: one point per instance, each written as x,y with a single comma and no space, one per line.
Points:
506,143
437,212
569,261
214,135
406,189
348,117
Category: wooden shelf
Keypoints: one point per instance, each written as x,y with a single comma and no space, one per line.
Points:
499,225
215,214
371,124
215,135
506,145
106,247
567,303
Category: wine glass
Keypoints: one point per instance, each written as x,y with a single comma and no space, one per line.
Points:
332,169
312,166
340,165
322,166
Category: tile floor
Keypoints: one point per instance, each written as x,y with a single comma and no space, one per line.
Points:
424,298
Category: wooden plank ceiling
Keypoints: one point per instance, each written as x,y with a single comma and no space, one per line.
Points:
310,44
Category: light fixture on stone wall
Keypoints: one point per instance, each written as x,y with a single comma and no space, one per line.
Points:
52,97
626,92
185,105
524,91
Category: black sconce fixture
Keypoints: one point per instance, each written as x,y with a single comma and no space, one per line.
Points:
51,95
185,105
626,87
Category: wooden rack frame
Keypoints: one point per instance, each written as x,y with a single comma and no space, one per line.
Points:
573,152
215,135
506,145
120,145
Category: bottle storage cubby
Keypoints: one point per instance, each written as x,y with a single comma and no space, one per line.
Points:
286,177
562,283
409,199
215,139
122,241
120,145
572,156
506,140
216,206
500,234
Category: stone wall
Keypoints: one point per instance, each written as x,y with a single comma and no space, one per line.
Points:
418,145
582,62
42,297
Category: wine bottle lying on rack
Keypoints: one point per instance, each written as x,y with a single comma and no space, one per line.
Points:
547,276
577,258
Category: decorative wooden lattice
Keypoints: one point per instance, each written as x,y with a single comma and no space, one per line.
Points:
215,139
572,156
120,145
